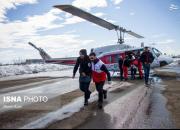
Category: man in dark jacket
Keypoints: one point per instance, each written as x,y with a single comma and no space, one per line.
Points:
121,60
126,65
84,64
147,59
139,64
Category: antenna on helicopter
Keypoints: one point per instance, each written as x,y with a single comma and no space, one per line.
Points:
96,20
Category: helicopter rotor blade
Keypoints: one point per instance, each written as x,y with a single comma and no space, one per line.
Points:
134,34
94,19
87,16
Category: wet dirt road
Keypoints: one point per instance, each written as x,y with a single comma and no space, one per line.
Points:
129,105
172,94
145,111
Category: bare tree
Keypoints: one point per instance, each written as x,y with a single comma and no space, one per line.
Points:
19,61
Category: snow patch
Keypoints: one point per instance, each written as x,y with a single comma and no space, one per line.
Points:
12,70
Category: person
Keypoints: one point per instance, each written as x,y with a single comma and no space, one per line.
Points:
120,62
147,59
126,65
84,64
133,67
99,72
139,65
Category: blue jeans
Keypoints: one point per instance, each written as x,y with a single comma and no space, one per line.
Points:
84,83
146,72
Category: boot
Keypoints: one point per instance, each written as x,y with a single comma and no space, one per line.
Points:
100,105
86,103
105,94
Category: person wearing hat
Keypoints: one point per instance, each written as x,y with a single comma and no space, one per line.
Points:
84,64
147,59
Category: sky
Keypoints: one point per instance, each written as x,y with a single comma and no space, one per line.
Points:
63,35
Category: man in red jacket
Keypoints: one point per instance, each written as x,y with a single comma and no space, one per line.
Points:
99,72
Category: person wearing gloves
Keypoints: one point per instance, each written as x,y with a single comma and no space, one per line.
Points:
99,72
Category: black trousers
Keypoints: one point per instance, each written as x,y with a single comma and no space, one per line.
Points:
101,91
133,72
121,72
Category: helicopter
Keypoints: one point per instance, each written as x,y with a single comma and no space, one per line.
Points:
108,54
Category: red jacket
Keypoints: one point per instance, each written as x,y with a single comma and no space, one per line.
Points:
99,72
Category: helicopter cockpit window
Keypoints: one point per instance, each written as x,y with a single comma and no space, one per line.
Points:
156,52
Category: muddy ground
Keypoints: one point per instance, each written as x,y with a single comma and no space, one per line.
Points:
20,117
172,93
86,115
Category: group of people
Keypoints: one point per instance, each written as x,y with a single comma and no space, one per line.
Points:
136,62
90,67
130,61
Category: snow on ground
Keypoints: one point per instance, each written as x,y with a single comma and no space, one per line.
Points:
54,74
77,104
12,70
175,63
172,70
49,90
